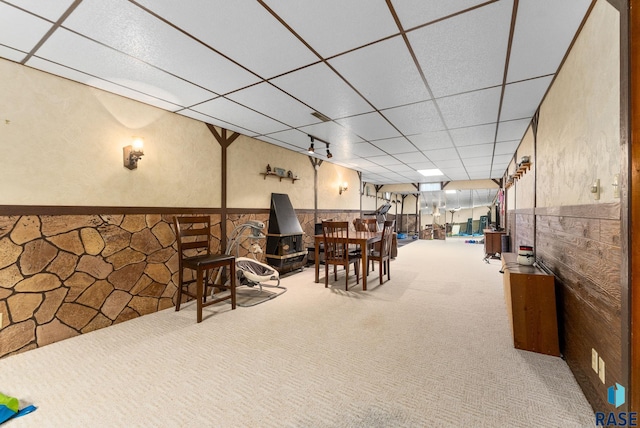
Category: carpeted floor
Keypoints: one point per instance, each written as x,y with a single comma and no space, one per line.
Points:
431,347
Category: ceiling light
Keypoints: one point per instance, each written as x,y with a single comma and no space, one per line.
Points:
311,149
430,172
329,155
450,191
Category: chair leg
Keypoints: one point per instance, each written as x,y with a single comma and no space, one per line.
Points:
346,276
381,269
179,294
326,274
233,284
199,285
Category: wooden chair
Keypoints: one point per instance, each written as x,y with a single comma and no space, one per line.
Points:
336,251
383,253
193,235
366,225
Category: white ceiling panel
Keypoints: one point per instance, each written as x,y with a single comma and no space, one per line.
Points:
418,12
444,154
432,140
394,145
523,98
507,147
323,90
51,10
544,29
366,150
479,150
131,30
415,118
102,62
20,30
449,164
292,137
470,109
335,26
512,130
370,126
477,163
502,159
215,121
231,112
391,78
270,49
273,102
466,52
411,157
384,160
11,54
474,135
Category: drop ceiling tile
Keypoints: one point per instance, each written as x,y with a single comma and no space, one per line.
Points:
292,137
416,12
217,122
538,53
274,103
395,145
20,30
432,140
466,52
231,112
332,132
365,150
470,109
415,118
67,73
51,10
370,126
392,79
384,160
402,168
512,130
507,147
410,157
476,151
12,54
418,165
450,163
521,100
379,169
129,29
484,162
279,143
361,163
335,26
99,61
443,154
323,90
220,24
473,135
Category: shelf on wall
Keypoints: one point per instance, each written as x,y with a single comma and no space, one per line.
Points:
522,170
273,174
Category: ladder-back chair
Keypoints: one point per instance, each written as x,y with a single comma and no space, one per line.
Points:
382,255
336,251
193,235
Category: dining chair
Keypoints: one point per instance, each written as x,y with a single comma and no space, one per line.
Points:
366,225
382,253
193,235
336,251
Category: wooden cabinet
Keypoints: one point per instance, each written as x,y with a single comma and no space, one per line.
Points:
492,242
531,306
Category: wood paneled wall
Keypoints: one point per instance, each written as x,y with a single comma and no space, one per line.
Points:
581,246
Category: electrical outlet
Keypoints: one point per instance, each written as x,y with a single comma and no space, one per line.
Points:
601,369
594,360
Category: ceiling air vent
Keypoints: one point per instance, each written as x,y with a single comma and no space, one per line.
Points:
320,116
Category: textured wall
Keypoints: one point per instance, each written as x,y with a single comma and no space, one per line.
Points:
63,146
579,130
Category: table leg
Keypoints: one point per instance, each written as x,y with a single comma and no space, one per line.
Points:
364,267
317,261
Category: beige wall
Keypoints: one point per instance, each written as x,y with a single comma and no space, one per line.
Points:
579,128
63,146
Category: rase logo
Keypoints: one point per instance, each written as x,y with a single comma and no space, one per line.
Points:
616,397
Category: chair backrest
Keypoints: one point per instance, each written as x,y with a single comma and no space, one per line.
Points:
193,233
387,237
336,235
366,225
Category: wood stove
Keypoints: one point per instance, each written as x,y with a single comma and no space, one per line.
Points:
285,251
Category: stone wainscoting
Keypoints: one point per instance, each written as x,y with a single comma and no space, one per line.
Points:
65,275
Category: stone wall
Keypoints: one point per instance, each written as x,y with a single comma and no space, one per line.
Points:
61,276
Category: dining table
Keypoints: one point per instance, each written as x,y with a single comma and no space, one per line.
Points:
359,238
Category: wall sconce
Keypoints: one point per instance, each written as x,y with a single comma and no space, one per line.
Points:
131,154
595,189
344,187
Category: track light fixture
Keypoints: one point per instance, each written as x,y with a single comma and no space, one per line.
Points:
329,155
311,149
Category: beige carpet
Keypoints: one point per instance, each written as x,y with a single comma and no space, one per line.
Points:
430,348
